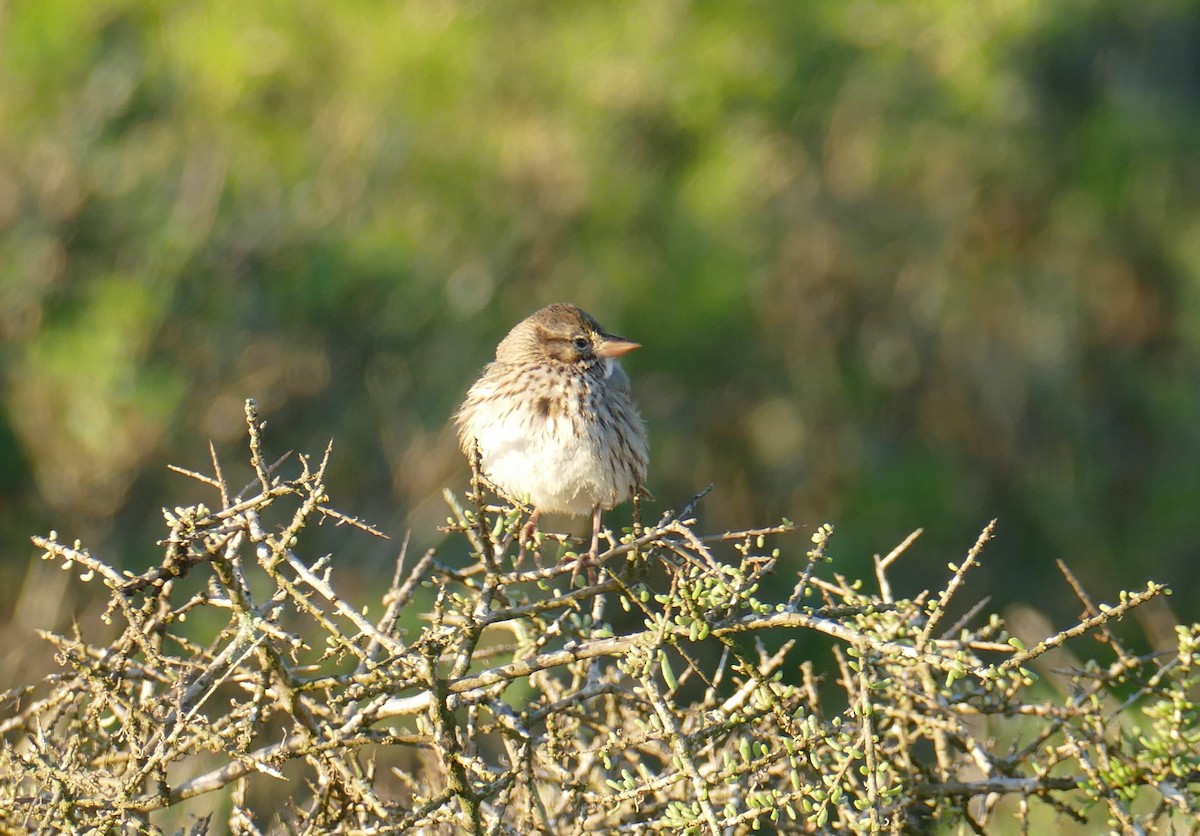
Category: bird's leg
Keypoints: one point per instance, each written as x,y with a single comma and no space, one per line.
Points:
527,531
592,553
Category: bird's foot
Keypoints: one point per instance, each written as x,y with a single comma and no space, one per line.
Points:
588,561
527,532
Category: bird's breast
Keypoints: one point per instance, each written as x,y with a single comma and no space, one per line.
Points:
565,444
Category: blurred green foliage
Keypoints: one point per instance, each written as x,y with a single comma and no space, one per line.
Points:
894,264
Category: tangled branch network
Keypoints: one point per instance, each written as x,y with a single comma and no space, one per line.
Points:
676,690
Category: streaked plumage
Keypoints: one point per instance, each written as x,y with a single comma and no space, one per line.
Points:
553,417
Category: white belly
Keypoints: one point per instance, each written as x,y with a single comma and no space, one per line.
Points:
561,460
544,461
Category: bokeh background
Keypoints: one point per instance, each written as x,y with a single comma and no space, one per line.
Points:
894,264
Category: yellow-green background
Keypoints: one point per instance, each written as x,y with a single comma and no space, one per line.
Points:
894,264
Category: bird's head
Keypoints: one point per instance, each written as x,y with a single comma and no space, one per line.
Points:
563,334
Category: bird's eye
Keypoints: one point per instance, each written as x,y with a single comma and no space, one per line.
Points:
581,343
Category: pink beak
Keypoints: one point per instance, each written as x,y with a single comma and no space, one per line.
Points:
612,346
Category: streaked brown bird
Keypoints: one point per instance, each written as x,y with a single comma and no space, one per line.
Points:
553,420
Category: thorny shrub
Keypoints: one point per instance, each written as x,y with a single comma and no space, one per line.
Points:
658,691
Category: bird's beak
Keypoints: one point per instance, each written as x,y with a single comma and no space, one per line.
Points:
612,346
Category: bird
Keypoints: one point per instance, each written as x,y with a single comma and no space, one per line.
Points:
553,422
